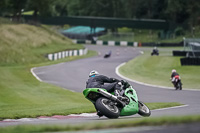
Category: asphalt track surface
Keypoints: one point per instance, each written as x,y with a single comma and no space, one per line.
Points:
73,76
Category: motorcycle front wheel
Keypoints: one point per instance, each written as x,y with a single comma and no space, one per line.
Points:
107,108
143,109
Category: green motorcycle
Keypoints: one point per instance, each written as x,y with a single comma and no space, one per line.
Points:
112,106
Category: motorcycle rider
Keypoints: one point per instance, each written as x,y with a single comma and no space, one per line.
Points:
98,81
155,51
175,77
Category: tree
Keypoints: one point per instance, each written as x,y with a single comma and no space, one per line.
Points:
15,7
3,7
177,11
44,7
61,7
194,14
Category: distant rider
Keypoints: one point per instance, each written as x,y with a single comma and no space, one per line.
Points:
155,51
174,77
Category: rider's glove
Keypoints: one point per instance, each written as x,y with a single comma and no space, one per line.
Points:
115,80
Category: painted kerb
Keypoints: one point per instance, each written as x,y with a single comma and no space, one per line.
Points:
109,43
126,43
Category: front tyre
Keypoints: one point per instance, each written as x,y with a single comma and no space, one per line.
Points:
143,109
107,108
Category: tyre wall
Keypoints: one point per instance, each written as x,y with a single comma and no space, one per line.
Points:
190,61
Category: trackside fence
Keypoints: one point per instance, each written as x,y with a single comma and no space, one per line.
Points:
64,54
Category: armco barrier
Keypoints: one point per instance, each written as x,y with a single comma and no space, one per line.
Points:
186,53
151,44
190,61
126,43
179,53
63,54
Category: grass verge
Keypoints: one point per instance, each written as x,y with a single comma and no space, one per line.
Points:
157,70
116,123
22,95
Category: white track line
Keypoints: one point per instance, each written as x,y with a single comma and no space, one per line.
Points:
164,87
181,106
35,74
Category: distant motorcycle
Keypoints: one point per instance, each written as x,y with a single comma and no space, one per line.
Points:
107,55
155,52
112,107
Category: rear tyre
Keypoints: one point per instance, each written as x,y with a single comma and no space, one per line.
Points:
180,85
143,109
107,108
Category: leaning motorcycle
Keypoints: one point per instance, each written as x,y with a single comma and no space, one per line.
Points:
112,106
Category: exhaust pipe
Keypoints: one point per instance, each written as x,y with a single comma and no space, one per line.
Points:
110,96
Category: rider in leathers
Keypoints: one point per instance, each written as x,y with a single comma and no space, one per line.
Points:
175,77
98,81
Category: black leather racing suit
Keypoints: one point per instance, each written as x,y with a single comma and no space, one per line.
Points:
98,81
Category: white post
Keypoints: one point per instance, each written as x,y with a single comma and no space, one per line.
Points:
111,43
50,56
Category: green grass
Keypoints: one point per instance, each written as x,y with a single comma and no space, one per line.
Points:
22,95
26,44
5,21
153,106
28,13
116,123
157,70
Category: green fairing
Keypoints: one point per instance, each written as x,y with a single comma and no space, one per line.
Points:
88,90
132,107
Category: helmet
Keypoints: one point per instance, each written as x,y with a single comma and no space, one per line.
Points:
93,72
173,70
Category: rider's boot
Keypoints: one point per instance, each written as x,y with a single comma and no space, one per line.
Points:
99,114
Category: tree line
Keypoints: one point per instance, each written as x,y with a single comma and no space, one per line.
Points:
182,12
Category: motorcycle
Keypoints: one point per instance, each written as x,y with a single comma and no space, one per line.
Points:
155,52
107,55
111,106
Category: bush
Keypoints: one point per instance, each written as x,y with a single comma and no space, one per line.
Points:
179,31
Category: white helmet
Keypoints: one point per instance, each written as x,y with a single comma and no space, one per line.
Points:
173,70
93,72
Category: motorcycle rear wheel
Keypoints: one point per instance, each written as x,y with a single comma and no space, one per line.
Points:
107,108
143,109
179,86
